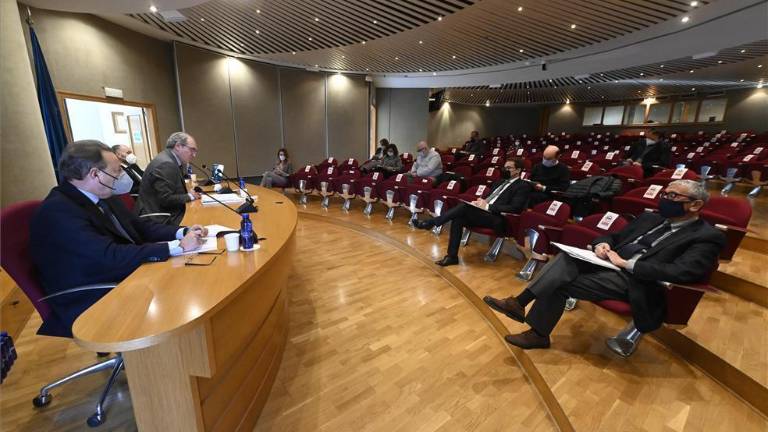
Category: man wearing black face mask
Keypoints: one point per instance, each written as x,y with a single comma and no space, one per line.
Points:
651,150
675,245
509,195
83,235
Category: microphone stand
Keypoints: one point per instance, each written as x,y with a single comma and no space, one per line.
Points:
247,207
210,174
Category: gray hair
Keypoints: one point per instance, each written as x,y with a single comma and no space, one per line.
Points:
696,190
177,138
80,157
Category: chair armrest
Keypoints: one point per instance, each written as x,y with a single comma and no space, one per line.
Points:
101,286
702,287
733,235
553,234
154,214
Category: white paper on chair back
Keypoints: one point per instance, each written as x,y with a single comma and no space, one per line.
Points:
554,207
608,219
480,190
587,165
652,191
679,173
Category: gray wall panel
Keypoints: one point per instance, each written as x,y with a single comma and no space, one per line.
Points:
402,116
451,125
304,115
348,116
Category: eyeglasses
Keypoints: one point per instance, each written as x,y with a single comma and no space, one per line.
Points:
116,178
674,195
191,149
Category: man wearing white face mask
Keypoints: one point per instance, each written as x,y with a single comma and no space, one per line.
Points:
83,235
128,162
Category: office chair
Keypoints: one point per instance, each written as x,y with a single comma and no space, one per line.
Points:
15,259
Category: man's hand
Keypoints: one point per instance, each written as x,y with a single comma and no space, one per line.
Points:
602,249
199,228
636,163
616,260
538,187
191,241
194,195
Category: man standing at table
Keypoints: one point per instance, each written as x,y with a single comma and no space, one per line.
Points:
82,234
162,187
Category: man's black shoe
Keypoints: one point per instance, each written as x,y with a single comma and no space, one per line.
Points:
424,224
447,261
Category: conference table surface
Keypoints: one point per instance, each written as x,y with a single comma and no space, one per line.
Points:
162,300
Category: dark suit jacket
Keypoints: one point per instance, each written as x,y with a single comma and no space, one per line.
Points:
513,200
686,256
657,154
72,243
163,190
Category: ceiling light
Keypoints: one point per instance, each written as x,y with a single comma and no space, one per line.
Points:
661,66
641,74
258,31
317,19
309,38
397,58
522,50
685,19
759,66
343,56
293,52
661,79
719,62
487,103
550,80
741,80
519,8
743,51
567,101
375,22
601,75
434,73
421,42
440,18
367,69
694,3
693,88
573,26
589,88
202,19
453,57
258,11
421,70
317,66
153,9
363,42
690,71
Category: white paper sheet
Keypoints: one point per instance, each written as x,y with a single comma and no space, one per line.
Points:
209,244
232,198
585,255
215,229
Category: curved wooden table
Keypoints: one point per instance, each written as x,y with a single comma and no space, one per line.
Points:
202,344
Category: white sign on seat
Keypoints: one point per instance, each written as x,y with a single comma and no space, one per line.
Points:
554,207
652,191
608,219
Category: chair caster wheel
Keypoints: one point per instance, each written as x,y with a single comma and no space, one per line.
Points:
95,420
42,400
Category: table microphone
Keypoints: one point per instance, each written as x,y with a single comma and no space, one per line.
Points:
224,189
247,207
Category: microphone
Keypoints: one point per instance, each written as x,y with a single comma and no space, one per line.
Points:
210,174
220,171
247,207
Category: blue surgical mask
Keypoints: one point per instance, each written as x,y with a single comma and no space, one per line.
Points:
549,163
121,185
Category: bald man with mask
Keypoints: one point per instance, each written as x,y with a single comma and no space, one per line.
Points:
549,176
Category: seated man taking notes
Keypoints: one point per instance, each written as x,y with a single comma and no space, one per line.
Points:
83,235
675,245
509,195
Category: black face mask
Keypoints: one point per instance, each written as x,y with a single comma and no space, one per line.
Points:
506,174
671,209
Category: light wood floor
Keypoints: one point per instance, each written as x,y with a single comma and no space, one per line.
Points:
748,265
654,390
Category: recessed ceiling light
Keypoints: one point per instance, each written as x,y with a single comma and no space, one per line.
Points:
258,11
375,22
661,66
434,73
522,50
309,38
719,62
760,85
661,79
642,74
363,42
202,19
759,66
573,26
397,58
685,19
421,42
602,75
550,80
453,57
694,3
589,88
367,69
293,52
440,18
343,56
421,70
519,8
317,19
258,31
616,81
317,66
153,9
690,71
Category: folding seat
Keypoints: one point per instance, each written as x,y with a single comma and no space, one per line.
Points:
638,200
579,234
325,183
574,157
388,192
448,161
607,161
438,199
470,161
305,181
344,184
407,159
549,213
366,190
486,177
348,164
666,177
482,191
415,196
730,215
323,166
489,162
586,169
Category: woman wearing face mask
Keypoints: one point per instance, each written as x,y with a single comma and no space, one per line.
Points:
375,160
280,173
390,163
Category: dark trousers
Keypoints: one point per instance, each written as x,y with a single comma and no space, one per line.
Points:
565,277
465,215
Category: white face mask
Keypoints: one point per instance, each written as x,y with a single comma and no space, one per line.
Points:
281,157
131,159
122,184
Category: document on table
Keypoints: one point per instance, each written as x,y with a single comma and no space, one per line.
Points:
586,255
208,244
215,229
230,198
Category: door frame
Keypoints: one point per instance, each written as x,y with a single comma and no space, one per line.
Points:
61,95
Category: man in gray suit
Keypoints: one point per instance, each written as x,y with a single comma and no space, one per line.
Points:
162,187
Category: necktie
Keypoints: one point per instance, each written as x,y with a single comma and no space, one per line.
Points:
107,212
645,242
497,192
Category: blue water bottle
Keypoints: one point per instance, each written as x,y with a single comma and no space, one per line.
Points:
246,233
242,183
189,171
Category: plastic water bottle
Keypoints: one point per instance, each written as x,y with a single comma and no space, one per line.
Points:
243,191
246,233
189,171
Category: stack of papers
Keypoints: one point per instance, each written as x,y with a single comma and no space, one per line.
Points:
585,255
230,198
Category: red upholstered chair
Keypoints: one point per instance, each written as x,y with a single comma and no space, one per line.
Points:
730,215
130,202
493,161
414,196
487,176
322,166
438,200
638,200
16,260
448,161
344,184
666,177
470,162
407,159
366,190
389,192
549,213
325,183
586,169
305,181
348,164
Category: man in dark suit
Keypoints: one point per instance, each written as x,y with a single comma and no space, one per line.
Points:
675,245
82,235
651,150
128,162
549,176
509,195
162,187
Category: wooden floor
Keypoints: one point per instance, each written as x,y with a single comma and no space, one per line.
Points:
394,346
